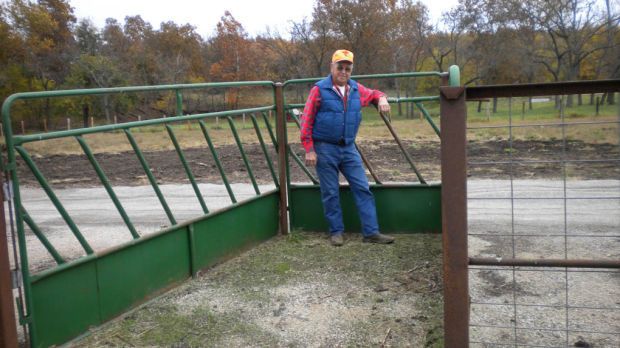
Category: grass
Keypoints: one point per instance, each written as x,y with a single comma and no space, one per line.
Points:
298,291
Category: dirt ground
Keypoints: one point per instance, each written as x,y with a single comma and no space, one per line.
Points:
302,294
385,157
298,291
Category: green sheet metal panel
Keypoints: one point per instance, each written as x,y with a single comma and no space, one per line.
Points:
400,208
230,231
129,275
65,304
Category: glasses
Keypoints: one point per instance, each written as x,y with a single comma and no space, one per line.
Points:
344,68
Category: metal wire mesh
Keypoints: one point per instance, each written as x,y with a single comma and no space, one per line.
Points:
541,189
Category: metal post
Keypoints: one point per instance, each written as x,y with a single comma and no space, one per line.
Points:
454,215
282,165
8,329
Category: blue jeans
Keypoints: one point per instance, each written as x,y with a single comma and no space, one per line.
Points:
332,159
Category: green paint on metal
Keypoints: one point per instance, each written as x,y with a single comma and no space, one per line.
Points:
301,164
390,100
265,152
227,233
243,155
106,184
400,208
367,77
130,275
270,130
21,139
192,250
52,196
37,232
150,176
188,170
65,305
428,118
216,158
77,295
454,76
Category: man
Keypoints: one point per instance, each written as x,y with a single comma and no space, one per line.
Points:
330,121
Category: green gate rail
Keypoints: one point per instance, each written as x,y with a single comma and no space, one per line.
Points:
102,284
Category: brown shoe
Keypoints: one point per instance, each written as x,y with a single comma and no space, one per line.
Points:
337,239
379,239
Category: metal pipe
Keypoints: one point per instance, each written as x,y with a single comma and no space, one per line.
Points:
128,125
375,76
402,147
282,158
262,144
453,112
302,165
150,176
8,328
37,232
270,130
570,263
52,196
542,89
216,158
428,118
106,184
390,100
245,158
188,170
368,165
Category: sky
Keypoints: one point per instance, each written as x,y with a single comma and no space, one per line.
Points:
254,15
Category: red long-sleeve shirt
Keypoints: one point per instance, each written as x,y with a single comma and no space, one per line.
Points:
367,96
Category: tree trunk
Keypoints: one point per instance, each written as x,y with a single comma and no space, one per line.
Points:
479,106
106,108
494,105
569,101
85,115
529,100
579,100
557,102
611,99
591,98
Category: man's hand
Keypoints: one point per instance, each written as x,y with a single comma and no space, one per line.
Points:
384,106
311,158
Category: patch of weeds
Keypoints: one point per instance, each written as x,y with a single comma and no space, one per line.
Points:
510,150
282,267
296,236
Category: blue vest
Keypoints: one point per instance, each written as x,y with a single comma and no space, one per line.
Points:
332,124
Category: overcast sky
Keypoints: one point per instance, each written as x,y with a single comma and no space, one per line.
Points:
254,15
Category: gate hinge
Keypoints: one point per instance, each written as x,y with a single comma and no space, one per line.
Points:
16,278
8,192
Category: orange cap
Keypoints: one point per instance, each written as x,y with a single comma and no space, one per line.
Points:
342,56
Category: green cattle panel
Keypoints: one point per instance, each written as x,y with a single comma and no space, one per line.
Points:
65,303
400,208
130,275
229,231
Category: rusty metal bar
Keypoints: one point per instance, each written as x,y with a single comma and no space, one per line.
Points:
491,261
368,165
541,89
402,148
282,158
453,112
8,328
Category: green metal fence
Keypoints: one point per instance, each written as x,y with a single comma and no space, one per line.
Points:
65,300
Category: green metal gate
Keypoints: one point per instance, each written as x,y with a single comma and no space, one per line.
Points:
63,301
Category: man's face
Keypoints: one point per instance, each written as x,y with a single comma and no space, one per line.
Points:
341,72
